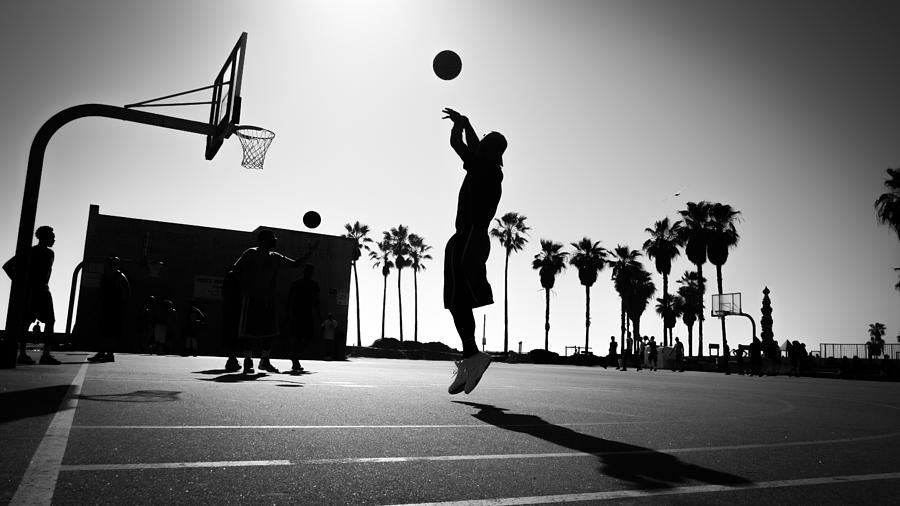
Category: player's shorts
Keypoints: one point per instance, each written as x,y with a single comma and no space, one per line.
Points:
259,318
40,307
465,270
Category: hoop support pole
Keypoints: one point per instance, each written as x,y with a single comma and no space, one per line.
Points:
16,313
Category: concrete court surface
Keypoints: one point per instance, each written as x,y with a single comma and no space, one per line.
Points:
176,430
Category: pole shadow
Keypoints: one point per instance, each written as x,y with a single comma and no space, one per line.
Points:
33,402
644,467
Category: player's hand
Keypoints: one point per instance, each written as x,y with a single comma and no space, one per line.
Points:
453,116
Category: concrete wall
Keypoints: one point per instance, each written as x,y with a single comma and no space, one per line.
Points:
183,262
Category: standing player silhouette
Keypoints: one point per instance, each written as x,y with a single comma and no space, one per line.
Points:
465,273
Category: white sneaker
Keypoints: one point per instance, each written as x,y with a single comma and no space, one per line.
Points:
475,367
459,378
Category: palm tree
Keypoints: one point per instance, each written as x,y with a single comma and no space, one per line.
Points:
667,308
694,236
360,234
689,303
398,238
887,205
639,292
510,231
549,262
624,265
876,330
382,258
418,253
589,258
662,247
721,237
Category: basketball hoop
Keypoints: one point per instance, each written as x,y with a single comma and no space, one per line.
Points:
255,142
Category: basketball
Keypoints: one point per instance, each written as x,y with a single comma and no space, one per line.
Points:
312,219
447,65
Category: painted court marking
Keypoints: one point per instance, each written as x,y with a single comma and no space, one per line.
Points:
634,494
39,480
447,458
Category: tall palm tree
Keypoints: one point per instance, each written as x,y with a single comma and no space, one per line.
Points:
382,258
640,292
360,234
694,235
721,237
418,253
589,258
690,303
510,231
624,265
662,247
398,238
887,205
549,262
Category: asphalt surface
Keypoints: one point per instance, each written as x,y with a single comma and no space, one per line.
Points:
175,430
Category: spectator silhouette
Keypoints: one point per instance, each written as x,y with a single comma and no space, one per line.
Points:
114,293
653,354
303,302
329,329
39,301
231,317
678,353
193,328
611,358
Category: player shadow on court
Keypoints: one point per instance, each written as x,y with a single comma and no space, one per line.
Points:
644,467
136,396
223,376
33,402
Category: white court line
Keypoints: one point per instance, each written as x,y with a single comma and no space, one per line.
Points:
634,494
446,458
39,480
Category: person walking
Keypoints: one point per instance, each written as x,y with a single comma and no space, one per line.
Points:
653,354
39,301
465,258
114,293
611,358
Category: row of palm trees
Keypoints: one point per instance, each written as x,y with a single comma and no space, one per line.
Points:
398,249
706,231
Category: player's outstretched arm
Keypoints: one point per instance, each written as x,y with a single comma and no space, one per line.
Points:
301,260
460,124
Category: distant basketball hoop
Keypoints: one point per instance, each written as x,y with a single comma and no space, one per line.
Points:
255,141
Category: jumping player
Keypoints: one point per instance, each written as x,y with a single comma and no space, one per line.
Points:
465,273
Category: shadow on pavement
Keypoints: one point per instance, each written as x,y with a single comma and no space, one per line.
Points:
235,377
32,402
136,396
644,467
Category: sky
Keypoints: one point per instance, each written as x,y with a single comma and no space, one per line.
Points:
617,114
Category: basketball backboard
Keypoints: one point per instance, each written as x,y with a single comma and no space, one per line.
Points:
726,304
225,106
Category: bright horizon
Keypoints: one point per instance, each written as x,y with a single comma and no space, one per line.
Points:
784,110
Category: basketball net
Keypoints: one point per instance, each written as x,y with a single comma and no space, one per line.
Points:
255,141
